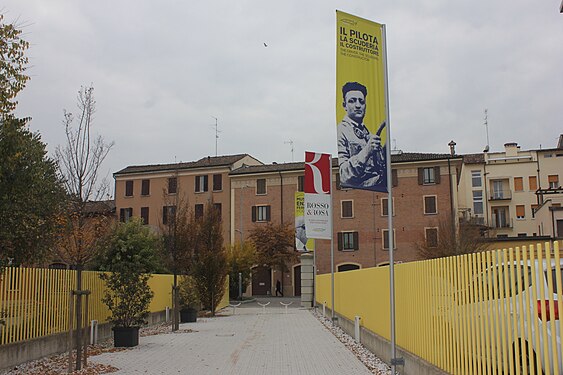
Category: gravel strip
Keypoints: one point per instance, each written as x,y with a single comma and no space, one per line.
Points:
58,364
374,364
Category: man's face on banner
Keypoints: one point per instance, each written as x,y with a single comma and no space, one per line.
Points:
355,105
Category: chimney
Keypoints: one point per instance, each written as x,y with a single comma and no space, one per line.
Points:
511,149
452,147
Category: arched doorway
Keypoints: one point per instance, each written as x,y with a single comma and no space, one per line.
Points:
297,280
261,281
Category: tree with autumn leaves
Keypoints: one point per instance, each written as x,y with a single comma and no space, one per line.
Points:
31,193
274,245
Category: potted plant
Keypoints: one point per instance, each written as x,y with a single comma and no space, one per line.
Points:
189,300
128,256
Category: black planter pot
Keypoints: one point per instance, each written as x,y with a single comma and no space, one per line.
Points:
125,336
188,315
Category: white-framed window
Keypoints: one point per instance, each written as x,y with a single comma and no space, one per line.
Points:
347,209
478,202
348,241
430,205
261,213
385,239
520,211
261,186
476,180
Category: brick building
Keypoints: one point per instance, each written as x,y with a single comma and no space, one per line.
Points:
153,191
249,193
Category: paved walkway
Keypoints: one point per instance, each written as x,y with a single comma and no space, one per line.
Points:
249,342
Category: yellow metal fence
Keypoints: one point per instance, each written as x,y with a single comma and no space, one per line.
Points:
496,312
34,302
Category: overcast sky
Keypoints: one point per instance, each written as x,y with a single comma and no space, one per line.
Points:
164,70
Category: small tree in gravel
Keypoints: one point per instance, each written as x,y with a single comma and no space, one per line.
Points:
129,255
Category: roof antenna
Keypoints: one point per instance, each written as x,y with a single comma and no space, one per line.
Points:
290,142
486,123
217,131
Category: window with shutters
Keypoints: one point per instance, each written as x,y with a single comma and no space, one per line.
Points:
125,214
172,185
553,181
261,186
533,182
430,207
217,182
201,184
385,239
300,183
129,188
348,241
431,235
520,211
145,215
347,209
385,207
260,213
518,184
429,176
145,187
168,214
198,211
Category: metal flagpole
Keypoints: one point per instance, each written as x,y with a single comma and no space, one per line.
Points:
314,279
394,360
331,247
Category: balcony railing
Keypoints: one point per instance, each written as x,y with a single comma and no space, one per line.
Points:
500,195
502,223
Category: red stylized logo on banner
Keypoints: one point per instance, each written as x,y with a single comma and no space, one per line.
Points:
317,173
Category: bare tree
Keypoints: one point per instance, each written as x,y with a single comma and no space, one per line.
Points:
79,161
446,241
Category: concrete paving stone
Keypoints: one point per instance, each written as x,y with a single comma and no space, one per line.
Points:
249,342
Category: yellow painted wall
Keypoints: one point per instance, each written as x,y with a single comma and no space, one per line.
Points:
445,308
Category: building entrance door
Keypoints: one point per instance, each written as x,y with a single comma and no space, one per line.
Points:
261,281
297,281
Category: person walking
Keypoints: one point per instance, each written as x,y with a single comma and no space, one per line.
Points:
278,288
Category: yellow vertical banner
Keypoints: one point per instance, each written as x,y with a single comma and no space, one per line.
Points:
302,243
360,103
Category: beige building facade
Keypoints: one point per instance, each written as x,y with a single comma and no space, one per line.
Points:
513,193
